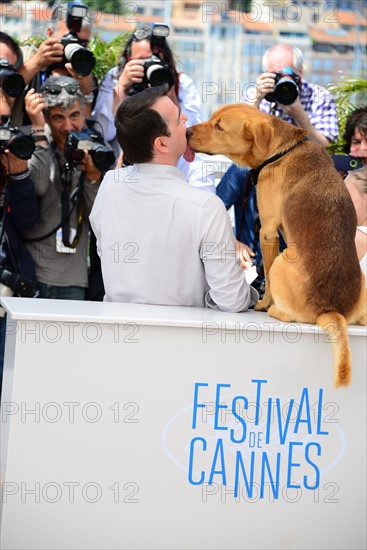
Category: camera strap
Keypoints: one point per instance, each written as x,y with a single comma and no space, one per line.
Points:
66,213
66,198
4,204
273,108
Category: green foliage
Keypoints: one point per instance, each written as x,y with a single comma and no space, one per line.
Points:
106,53
348,96
34,40
241,5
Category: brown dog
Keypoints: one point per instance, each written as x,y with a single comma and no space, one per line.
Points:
317,279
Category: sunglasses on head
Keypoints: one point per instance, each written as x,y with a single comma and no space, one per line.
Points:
55,89
141,34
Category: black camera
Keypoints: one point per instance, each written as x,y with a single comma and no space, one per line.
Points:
287,85
91,140
81,59
21,145
156,73
10,81
17,284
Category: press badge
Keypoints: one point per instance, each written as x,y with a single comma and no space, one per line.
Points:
60,247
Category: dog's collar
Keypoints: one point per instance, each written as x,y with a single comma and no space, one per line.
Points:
254,173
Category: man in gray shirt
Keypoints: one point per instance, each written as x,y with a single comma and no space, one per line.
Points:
160,240
58,241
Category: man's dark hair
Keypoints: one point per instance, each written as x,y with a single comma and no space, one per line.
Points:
138,125
356,119
10,42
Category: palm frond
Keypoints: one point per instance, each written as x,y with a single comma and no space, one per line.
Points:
349,95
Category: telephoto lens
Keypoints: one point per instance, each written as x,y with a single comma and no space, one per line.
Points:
158,72
286,91
21,145
81,59
10,81
287,86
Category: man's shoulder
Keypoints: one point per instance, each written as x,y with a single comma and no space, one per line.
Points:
199,199
173,183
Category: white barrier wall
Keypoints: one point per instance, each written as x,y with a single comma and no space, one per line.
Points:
140,427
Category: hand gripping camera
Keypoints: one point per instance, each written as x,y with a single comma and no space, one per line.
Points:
287,85
91,140
13,283
21,145
10,81
81,59
156,71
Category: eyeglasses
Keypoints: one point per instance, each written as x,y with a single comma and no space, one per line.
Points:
56,89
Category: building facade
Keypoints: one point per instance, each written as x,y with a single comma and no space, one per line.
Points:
221,47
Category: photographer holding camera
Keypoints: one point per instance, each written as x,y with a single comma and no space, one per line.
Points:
67,167
11,82
60,54
18,212
147,61
282,91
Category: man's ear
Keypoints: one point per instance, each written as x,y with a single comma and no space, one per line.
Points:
160,144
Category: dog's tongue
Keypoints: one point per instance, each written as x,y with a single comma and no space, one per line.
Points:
189,154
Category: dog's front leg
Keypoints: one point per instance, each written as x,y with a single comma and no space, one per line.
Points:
269,241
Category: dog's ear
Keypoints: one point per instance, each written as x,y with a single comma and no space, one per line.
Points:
261,132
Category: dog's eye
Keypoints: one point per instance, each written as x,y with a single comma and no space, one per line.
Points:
218,127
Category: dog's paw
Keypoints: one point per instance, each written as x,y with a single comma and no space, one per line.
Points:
261,305
274,312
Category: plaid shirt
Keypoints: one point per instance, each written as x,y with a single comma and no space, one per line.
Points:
319,106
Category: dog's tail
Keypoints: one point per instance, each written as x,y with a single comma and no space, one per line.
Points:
336,327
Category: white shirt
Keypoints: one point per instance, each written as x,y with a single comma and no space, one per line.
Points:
363,262
164,242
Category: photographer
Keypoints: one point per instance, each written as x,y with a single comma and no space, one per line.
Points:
66,189
137,70
311,107
355,134
10,60
61,54
18,212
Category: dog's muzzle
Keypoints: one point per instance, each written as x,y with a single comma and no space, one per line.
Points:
193,141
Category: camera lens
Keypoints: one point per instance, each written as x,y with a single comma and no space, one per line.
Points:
102,158
286,91
81,59
22,147
158,75
12,83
